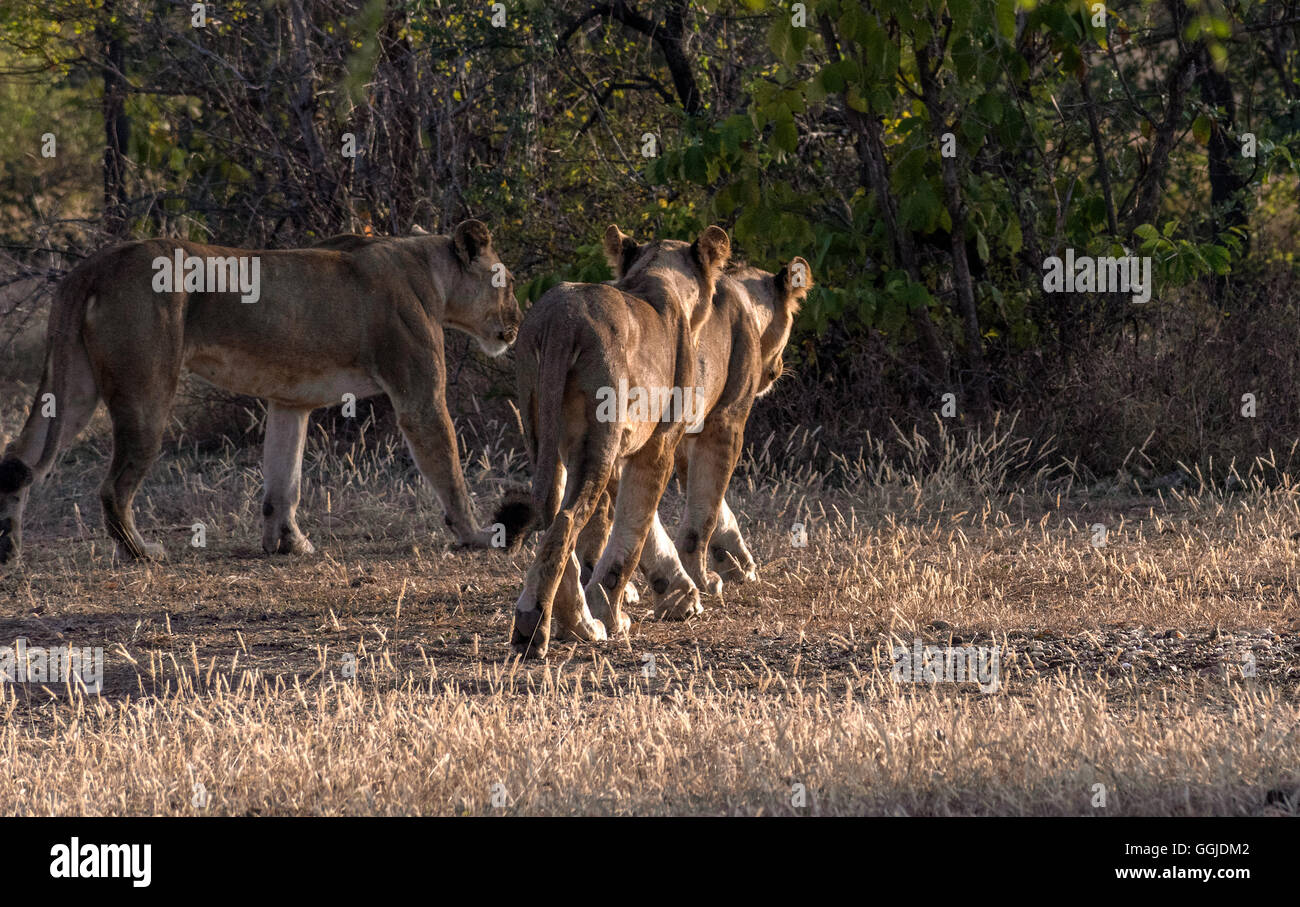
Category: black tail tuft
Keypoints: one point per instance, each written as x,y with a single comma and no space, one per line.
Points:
15,475
518,515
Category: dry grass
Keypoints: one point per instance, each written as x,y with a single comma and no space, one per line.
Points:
1122,665
585,739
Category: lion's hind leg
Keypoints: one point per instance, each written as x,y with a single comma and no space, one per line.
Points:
645,476
584,483
712,459
139,391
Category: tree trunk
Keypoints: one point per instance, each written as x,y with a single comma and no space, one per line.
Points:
956,206
1225,183
117,126
302,103
1152,185
875,171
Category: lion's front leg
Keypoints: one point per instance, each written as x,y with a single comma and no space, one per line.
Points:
286,434
592,539
416,384
675,595
573,619
432,440
713,457
728,553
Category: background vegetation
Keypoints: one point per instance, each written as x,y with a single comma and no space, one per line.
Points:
812,129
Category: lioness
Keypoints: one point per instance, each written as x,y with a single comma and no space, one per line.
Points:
738,357
577,344
356,315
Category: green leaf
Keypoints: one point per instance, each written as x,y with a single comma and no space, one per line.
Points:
832,77
1005,11
1012,235
1201,128
920,207
965,58
785,136
695,166
990,108
960,10
815,91
778,37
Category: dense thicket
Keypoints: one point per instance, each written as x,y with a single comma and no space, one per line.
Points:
926,156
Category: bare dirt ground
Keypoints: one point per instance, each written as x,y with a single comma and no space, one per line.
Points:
1152,672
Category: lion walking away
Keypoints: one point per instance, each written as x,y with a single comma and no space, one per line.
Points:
578,343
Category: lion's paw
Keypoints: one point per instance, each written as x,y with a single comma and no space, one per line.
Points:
709,584
603,610
149,551
679,600
733,569
291,544
473,541
526,636
590,630
9,547
624,623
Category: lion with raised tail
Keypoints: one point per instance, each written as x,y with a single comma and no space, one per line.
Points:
298,328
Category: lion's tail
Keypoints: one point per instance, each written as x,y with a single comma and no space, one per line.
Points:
522,516
67,314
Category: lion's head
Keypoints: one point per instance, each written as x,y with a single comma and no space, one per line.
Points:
690,270
776,299
481,297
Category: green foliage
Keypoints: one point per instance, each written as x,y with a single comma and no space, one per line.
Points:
1001,75
810,139
1180,261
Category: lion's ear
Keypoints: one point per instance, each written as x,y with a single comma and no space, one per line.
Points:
620,249
417,230
470,240
713,248
794,282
